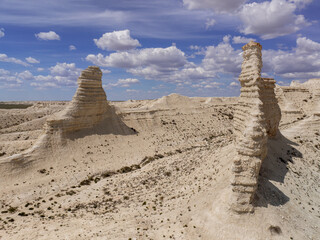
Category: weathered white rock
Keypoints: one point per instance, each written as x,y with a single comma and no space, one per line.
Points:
87,108
257,116
271,108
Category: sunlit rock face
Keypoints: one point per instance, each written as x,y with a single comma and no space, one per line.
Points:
257,116
87,108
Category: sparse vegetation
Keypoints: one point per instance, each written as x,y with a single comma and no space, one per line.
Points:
12,209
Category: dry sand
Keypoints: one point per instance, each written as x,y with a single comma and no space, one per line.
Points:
169,179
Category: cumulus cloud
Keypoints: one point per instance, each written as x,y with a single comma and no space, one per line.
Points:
10,79
43,85
234,84
210,23
32,60
301,3
105,71
5,58
158,58
132,91
124,82
216,5
302,62
1,32
25,75
117,41
62,74
271,19
65,69
243,40
171,65
47,36
72,47
223,58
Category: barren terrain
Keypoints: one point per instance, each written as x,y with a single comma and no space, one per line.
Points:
168,178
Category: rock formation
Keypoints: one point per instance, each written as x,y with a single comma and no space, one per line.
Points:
271,108
257,116
311,92
87,108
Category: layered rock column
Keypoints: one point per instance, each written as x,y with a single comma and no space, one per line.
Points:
250,127
271,108
87,108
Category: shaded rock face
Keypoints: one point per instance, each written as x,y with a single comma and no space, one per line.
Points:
257,116
271,107
87,108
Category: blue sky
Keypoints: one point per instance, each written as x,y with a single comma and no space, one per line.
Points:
148,49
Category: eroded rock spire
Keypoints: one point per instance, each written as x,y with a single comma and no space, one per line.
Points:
257,116
87,108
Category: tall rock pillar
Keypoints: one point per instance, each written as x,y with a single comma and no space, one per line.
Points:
250,128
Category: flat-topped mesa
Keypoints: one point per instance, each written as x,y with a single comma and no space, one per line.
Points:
253,121
87,108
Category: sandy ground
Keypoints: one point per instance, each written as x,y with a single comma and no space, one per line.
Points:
169,179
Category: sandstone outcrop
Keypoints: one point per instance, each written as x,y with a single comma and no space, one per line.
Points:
257,116
271,108
88,113
87,108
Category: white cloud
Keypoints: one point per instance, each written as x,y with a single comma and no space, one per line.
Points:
302,62
301,3
5,58
62,74
234,84
305,45
159,58
105,71
26,75
32,60
128,81
4,72
210,23
12,79
72,47
271,19
226,39
40,69
1,32
199,50
171,65
212,85
43,85
65,69
216,5
117,41
244,40
132,91
223,58
123,82
47,36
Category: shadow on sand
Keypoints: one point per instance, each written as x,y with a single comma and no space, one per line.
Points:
112,124
281,151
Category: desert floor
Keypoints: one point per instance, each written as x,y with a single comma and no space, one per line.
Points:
169,178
